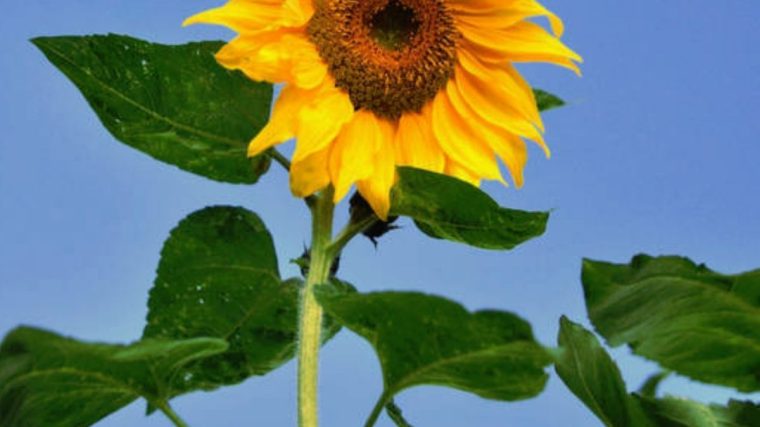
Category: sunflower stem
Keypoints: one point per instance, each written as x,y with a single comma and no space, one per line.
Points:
310,321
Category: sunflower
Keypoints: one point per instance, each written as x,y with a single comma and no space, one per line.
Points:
372,84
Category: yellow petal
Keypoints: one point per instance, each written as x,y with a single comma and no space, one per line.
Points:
415,143
275,56
298,12
241,15
513,152
458,171
310,174
509,110
458,140
352,157
377,188
506,80
249,16
506,145
522,42
313,116
282,123
502,14
321,119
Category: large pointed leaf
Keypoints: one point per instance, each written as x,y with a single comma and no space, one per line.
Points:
684,316
447,208
174,103
218,277
427,340
49,380
589,372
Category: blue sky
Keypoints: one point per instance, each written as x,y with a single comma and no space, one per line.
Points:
656,153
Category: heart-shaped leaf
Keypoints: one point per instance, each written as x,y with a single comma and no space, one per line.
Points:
218,277
447,208
684,316
427,340
174,103
49,380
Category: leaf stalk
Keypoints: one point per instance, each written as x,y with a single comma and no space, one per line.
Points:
173,416
377,410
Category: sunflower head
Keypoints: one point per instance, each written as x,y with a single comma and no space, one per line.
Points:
390,56
371,84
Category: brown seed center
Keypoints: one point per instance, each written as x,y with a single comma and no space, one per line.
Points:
391,56
394,26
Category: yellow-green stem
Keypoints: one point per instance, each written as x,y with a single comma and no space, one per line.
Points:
310,322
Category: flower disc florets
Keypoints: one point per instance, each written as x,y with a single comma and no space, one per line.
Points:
391,56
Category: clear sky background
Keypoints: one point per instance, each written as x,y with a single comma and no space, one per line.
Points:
657,152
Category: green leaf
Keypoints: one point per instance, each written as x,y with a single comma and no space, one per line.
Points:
684,316
589,372
174,103
427,340
547,101
49,380
218,277
447,208
650,386
744,413
678,412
